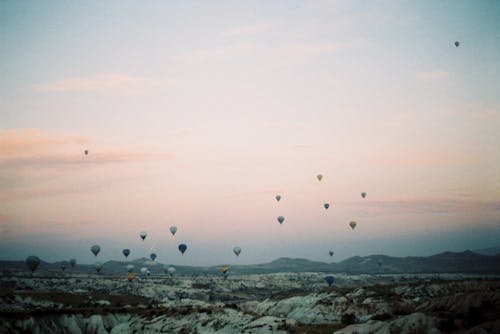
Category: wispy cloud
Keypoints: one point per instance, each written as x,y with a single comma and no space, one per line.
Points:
31,160
37,148
14,228
436,75
218,52
288,53
483,112
16,143
413,157
81,159
247,30
99,83
424,206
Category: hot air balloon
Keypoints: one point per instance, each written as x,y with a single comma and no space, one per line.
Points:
363,194
173,230
237,250
63,266
130,276
353,224
320,177
278,197
98,267
72,262
126,252
182,248
329,280
281,219
171,271
224,269
152,256
32,262
326,206
144,270
95,249
143,235
130,268
457,43
331,253
86,152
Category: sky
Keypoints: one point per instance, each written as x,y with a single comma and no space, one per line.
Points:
197,114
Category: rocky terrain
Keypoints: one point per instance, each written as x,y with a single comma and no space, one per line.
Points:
264,303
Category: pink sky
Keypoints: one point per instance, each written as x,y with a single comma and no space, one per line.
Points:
197,120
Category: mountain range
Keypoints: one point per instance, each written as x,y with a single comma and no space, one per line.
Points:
447,262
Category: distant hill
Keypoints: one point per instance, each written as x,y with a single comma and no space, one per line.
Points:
488,251
447,262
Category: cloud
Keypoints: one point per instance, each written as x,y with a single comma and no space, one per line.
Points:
28,142
219,52
483,112
412,157
291,53
246,30
11,229
424,206
304,147
35,163
81,159
37,148
99,83
436,75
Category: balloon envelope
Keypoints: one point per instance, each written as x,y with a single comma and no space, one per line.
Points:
32,262
278,197
326,206
86,152
329,280
130,276
457,43
126,252
171,270
143,235
152,256
281,219
182,248
173,230
237,250
363,194
331,253
144,270
130,268
353,224
224,269
320,177
98,266
95,249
